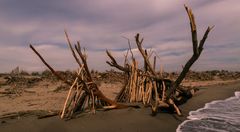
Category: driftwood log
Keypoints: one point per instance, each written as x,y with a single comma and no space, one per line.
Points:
151,88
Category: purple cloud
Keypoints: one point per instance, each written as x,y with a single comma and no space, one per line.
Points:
100,25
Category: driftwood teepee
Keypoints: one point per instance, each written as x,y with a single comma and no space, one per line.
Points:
150,88
83,94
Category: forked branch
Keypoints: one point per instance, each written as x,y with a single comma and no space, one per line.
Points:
197,50
114,63
145,57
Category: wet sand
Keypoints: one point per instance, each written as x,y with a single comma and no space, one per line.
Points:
130,120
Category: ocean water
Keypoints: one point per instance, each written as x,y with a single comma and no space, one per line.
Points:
216,116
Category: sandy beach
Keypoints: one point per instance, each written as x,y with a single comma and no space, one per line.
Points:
130,119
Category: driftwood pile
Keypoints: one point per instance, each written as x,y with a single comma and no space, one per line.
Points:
151,88
83,94
14,84
144,86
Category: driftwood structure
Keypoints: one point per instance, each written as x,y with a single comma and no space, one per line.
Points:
83,94
149,87
142,85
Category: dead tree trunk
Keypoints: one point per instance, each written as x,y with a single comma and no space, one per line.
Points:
197,50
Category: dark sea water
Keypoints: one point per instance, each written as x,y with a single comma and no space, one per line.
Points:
216,116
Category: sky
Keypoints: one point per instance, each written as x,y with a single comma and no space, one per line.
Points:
104,24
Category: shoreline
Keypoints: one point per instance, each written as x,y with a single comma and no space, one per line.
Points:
123,119
200,117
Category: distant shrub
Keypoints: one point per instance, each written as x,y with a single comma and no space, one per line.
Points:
22,72
35,74
46,73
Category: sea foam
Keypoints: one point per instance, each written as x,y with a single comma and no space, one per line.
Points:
216,116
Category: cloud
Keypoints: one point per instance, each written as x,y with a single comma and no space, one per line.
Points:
100,25
11,57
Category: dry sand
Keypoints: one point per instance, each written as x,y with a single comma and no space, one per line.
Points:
132,120
43,96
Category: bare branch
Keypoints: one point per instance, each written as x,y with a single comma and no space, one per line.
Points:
49,67
129,46
73,52
126,59
139,45
154,62
114,63
83,58
193,30
197,50
200,48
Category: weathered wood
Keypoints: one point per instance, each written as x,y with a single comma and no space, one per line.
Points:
114,63
39,113
197,50
144,55
72,50
154,63
48,115
164,89
49,67
170,101
91,93
155,105
69,92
